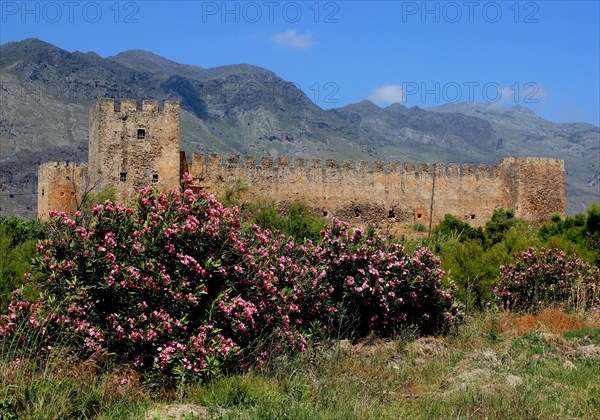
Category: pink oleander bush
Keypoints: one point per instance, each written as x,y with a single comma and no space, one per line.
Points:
173,284
548,277
367,284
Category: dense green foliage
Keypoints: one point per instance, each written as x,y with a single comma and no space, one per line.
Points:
582,230
297,221
453,227
494,232
17,247
472,256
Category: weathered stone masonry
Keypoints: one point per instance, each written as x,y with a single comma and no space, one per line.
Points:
123,157
399,193
129,148
59,186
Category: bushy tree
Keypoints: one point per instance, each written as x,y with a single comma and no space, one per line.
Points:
500,223
452,226
172,284
582,230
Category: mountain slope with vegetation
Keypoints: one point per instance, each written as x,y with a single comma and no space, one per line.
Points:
46,93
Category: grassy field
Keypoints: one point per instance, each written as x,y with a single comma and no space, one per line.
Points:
493,366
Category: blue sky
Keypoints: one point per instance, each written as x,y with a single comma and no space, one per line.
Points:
541,54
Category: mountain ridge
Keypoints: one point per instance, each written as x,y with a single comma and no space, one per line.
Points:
246,109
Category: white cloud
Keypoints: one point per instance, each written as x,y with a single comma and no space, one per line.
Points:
386,95
294,39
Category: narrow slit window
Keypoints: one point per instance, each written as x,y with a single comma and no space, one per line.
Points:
141,134
123,176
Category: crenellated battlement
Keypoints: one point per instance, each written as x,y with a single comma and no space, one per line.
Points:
216,161
131,146
63,164
54,168
110,105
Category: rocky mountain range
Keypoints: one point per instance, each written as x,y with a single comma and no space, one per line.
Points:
45,94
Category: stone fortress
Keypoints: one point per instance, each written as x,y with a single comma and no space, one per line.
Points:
130,148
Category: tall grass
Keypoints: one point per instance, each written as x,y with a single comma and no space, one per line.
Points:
54,384
472,373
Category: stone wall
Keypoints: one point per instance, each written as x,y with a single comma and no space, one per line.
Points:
537,187
401,193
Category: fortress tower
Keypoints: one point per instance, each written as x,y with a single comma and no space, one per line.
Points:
131,148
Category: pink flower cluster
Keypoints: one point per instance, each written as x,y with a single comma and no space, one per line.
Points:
543,277
379,284
174,282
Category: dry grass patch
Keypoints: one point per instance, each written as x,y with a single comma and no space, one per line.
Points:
550,320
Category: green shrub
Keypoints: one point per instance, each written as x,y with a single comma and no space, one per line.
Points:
18,239
297,221
582,230
419,227
500,222
452,226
